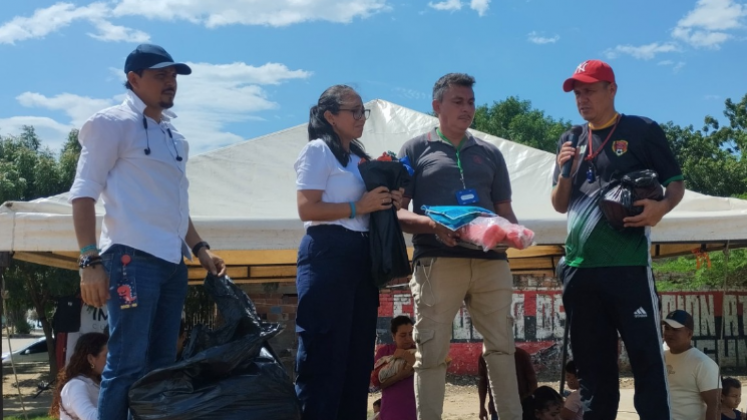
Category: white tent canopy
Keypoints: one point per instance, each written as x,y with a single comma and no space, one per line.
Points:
243,197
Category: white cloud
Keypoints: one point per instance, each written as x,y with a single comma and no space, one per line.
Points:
251,12
208,13
53,18
115,33
78,108
676,66
216,95
481,6
535,38
446,5
212,97
642,52
712,97
46,21
706,26
407,93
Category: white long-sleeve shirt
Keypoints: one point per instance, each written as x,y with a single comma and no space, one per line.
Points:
80,398
145,195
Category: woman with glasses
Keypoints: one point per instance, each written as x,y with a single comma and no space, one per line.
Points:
337,299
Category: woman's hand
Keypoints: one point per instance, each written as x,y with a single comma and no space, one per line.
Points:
377,199
397,198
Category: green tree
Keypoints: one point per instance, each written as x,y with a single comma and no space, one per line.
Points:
29,171
712,158
713,162
516,120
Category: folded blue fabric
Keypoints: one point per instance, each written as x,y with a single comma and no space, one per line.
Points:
454,217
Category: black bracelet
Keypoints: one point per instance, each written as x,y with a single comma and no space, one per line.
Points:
198,246
86,261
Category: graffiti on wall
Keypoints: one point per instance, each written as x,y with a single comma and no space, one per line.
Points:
539,320
720,322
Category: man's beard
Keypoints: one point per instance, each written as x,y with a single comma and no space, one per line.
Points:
166,105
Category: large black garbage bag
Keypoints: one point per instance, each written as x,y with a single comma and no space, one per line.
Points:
388,248
231,373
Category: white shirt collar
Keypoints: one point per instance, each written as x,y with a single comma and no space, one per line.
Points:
137,104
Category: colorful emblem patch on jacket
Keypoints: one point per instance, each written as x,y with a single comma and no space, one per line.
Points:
620,147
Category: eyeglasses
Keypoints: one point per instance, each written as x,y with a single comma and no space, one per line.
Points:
358,113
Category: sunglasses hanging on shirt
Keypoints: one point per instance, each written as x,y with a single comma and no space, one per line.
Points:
147,140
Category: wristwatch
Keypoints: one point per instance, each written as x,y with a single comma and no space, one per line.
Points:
198,246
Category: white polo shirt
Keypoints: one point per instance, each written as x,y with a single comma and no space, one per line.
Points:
145,195
317,168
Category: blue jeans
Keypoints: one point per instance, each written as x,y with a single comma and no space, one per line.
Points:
142,338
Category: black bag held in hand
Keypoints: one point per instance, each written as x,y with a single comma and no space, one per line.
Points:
227,374
388,248
618,196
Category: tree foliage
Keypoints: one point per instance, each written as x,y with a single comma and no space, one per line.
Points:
29,171
713,162
516,120
712,158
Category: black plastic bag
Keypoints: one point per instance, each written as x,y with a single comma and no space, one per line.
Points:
618,197
231,373
388,248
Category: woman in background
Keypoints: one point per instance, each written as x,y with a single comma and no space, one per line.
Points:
77,392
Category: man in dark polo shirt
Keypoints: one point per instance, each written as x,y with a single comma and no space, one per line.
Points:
608,284
454,168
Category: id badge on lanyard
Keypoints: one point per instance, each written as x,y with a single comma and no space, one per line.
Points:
465,196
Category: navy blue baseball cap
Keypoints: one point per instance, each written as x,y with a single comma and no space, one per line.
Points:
679,319
149,56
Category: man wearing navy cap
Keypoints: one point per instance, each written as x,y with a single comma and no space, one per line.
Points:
608,286
134,159
694,381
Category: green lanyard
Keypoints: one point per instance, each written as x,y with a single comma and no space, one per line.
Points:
458,150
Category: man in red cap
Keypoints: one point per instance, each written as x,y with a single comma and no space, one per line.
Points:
607,281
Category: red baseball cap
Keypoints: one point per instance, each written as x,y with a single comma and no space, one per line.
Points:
590,71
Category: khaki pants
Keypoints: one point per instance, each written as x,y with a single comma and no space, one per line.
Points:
439,285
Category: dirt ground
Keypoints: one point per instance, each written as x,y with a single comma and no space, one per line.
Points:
461,402
29,376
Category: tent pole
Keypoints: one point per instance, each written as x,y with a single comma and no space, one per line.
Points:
723,299
566,330
5,263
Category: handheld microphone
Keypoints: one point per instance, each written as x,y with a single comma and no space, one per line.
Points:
576,131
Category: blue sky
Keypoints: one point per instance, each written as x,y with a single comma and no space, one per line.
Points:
259,65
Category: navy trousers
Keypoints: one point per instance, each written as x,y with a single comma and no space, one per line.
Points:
336,323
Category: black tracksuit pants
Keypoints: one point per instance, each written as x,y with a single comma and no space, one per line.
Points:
599,302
